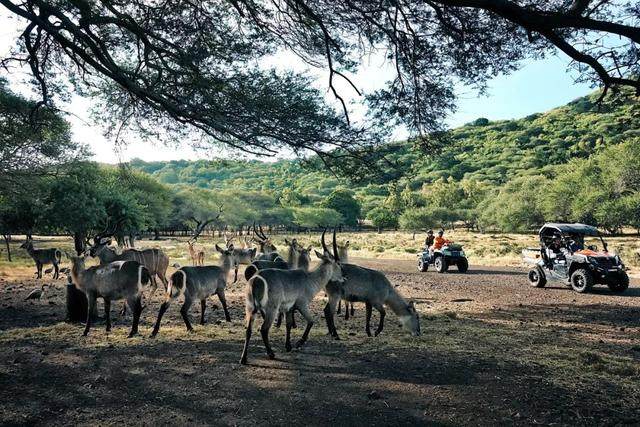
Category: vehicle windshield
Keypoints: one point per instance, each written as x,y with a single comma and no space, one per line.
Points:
594,243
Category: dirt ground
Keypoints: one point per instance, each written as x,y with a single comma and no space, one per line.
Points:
493,351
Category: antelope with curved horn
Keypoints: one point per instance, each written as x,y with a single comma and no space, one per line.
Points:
244,255
155,260
267,249
274,291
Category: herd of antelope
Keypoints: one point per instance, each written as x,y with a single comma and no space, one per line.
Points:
277,285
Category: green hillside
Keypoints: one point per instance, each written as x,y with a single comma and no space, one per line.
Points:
491,152
578,162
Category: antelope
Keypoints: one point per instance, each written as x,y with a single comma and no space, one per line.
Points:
274,291
155,260
244,254
197,257
199,283
343,252
268,251
114,281
43,257
374,289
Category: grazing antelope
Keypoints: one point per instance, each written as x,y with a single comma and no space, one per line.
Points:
43,257
374,289
197,256
273,291
155,260
114,281
199,283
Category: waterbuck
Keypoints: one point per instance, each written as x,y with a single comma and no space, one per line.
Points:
244,254
199,283
374,289
273,291
43,257
154,259
343,253
267,250
114,281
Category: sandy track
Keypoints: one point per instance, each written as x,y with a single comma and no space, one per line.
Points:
493,350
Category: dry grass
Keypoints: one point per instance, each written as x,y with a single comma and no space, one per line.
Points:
481,249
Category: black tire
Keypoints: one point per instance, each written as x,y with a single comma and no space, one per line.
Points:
441,264
536,277
581,280
621,285
463,265
422,266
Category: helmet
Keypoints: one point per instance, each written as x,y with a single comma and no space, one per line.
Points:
430,232
440,233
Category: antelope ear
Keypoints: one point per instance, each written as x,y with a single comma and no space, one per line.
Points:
218,248
309,248
346,245
230,247
319,255
287,241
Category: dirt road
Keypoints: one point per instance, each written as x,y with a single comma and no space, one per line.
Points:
492,351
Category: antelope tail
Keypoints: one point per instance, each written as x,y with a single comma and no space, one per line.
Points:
259,293
144,277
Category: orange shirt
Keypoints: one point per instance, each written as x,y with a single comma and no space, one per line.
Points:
440,242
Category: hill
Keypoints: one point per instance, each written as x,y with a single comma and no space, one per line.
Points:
492,152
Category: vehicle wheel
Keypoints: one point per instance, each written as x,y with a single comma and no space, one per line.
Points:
441,264
581,280
422,266
621,285
537,278
463,265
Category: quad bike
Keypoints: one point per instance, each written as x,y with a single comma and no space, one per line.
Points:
570,263
443,258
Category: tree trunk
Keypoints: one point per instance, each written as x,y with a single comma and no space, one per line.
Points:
76,304
7,240
78,243
132,240
156,234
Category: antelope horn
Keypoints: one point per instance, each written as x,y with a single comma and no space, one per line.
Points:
263,236
335,246
324,245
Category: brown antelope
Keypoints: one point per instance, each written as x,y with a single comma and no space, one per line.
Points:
197,256
199,283
114,281
43,257
273,291
155,260
374,289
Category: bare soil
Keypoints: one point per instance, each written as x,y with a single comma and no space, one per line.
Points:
493,351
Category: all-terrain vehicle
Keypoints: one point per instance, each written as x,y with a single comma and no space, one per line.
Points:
450,254
564,258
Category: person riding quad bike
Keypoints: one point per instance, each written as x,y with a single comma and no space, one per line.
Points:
442,254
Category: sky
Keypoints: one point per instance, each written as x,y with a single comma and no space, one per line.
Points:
537,87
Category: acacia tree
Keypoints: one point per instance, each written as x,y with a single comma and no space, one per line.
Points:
159,66
32,143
